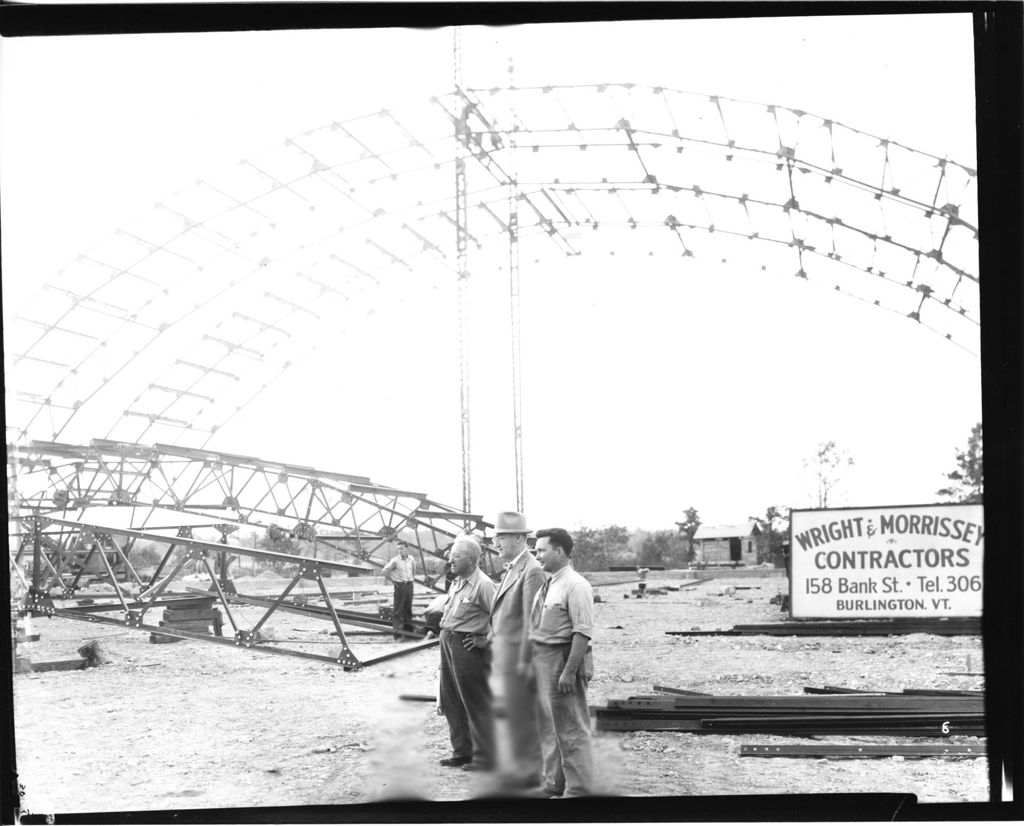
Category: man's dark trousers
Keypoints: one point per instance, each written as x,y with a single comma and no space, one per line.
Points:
401,614
466,698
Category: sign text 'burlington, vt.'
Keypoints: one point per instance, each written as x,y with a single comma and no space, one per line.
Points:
882,562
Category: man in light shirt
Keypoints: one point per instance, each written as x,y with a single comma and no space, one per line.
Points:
465,690
561,628
400,571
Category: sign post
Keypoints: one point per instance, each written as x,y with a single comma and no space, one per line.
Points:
886,562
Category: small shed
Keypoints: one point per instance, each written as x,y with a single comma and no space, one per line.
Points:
728,544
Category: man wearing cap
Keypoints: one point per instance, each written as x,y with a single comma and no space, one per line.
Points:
561,628
465,691
510,613
400,571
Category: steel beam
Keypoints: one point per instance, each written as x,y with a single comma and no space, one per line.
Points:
818,750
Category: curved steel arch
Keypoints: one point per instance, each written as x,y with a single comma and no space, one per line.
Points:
178,325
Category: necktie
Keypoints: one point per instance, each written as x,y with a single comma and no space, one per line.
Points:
538,603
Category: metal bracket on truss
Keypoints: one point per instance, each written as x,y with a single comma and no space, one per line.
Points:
37,603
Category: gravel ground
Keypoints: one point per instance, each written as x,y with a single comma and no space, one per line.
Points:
193,725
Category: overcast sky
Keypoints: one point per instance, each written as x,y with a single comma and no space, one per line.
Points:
629,416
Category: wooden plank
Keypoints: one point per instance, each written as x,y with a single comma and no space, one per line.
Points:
174,615
162,639
59,665
682,691
188,625
835,689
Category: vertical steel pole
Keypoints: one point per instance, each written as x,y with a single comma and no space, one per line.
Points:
461,140
513,277
37,554
517,401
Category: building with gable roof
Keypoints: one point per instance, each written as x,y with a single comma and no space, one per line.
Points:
728,544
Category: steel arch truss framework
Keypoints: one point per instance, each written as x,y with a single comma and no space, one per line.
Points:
183,490
99,506
137,607
178,324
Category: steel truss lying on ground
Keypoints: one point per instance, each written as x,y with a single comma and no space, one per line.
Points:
134,605
166,488
101,505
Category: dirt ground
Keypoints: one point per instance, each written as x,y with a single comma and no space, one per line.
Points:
194,725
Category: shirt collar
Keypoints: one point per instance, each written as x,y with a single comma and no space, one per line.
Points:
560,572
510,565
462,580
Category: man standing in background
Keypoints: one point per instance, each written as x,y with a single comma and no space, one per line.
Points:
561,628
465,691
510,614
400,571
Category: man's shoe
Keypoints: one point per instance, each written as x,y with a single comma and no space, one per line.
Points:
455,761
477,767
541,791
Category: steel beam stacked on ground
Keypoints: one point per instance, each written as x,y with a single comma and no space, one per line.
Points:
947,627
818,750
934,692
799,715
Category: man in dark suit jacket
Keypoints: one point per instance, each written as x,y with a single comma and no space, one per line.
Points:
510,614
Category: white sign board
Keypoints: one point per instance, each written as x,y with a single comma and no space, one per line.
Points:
886,562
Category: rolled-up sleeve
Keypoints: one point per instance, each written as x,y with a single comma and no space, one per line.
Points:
580,606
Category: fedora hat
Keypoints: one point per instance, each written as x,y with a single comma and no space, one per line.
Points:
510,522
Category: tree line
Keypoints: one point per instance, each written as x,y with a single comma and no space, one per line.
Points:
598,549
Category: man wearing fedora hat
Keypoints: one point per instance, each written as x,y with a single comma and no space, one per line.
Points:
510,612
